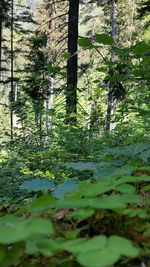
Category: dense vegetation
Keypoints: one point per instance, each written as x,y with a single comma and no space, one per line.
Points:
75,142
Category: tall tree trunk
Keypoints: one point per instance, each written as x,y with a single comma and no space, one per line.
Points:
72,64
110,92
1,14
51,102
12,67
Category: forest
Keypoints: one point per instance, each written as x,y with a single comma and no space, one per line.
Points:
75,133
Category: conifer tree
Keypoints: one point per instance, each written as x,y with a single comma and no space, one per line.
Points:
36,83
4,9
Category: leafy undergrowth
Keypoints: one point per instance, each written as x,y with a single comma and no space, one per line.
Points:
56,212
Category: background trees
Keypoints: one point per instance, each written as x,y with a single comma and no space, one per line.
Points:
74,80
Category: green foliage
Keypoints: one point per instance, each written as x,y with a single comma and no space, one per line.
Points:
84,42
75,196
37,184
114,247
90,222
104,39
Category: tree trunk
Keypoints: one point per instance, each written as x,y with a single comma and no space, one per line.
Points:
110,92
72,64
12,67
49,106
1,13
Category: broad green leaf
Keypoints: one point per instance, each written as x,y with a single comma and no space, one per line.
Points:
141,48
43,246
81,166
81,245
37,184
62,189
95,189
114,202
104,39
18,230
66,55
98,258
127,151
123,246
42,204
12,255
31,247
13,232
125,198
39,226
73,202
113,249
126,188
133,212
72,234
84,42
134,179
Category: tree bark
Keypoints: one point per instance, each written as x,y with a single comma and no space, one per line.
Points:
110,92
1,14
72,63
12,68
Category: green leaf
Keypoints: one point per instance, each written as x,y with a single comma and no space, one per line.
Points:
83,245
141,48
123,246
102,69
81,214
126,188
115,78
133,212
66,55
43,246
95,189
37,184
39,226
107,254
145,188
72,234
42,204
12,255
31,247
140,73
104,39
54,69
81,166
84,42
102,258
145,155
132,150
13,230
